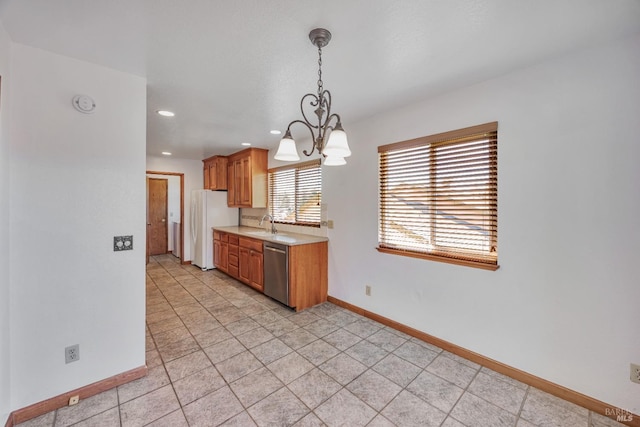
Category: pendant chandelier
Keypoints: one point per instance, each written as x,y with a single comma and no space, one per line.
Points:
330,140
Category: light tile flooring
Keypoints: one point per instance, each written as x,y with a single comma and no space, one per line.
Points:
220,353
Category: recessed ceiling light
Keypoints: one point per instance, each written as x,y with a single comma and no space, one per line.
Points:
275,132
166,113
246,144
166,153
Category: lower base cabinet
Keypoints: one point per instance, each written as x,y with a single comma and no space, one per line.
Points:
251,263
233,257
308,275
242,258
221,251
256,270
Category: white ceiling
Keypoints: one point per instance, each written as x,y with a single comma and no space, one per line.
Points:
233,70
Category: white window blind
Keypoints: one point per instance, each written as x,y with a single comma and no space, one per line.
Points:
295,193
438,197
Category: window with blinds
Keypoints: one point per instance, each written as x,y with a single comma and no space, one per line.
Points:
438,197
295,193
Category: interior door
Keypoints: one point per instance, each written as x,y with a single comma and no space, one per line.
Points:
157,205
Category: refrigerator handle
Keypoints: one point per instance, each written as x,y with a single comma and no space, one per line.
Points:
193,222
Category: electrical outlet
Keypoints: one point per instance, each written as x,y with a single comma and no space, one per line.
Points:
72,353
635,373
367,290
73,400
330,223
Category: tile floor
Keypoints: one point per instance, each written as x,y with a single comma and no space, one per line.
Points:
220,353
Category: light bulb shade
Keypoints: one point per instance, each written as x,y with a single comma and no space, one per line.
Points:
287,150
337,145
334,161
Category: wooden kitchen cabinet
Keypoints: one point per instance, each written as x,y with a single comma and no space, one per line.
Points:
244,264
256,270
251,263
247,178
214,171
242,258
308,275
234,256
239,257
221,251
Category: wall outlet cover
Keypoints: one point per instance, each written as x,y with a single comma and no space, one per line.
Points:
122,243
72,353
635,373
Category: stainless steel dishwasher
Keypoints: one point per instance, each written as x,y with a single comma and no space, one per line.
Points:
276,271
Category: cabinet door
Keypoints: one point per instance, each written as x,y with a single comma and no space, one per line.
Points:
231,187
205,175
245,265
224,256
256,278
238,174
216,253
247,178
221,173
213,175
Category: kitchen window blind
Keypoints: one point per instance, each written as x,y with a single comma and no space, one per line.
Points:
295,193
438,197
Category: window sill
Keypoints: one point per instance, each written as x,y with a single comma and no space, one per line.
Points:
466,263
298,224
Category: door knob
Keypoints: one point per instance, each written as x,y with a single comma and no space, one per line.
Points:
162,219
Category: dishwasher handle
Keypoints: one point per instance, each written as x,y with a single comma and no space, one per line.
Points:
270,248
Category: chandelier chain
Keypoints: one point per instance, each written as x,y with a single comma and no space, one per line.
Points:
320,72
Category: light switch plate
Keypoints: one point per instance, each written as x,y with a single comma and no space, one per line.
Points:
122,243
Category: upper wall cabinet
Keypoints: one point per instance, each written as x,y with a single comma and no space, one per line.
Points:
247,178
214,171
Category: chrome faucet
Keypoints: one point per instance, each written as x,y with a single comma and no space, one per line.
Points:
273,224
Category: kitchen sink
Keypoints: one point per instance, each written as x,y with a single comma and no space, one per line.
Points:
284,239
271,236
261,233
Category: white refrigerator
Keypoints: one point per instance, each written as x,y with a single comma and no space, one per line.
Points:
208,209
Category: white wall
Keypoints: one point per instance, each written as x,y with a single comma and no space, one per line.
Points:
193,180
77,180
173,204
5,399
563,305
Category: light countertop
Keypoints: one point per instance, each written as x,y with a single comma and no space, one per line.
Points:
285,238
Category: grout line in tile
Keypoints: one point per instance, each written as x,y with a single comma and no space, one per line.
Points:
524,400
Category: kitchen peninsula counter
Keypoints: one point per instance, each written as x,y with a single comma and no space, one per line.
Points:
289,267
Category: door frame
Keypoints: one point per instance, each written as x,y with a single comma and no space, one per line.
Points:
181,175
